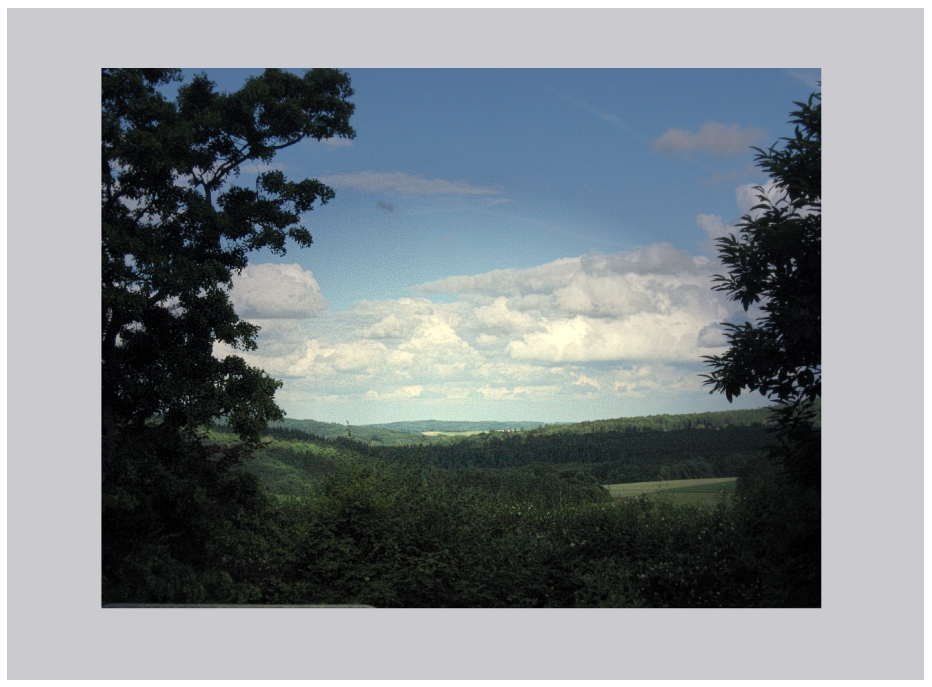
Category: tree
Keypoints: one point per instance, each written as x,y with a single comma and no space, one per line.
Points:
179,523
175,229
777,262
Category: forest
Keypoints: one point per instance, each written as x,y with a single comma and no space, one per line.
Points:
209,496
495,520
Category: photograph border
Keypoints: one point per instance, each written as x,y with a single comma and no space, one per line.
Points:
871,623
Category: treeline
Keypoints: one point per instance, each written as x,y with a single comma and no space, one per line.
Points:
609,451
611,456
456,426
757,417
372,435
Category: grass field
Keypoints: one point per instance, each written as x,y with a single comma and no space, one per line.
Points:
696,492
454,434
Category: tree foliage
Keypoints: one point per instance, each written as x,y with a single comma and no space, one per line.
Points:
776,262
181,520
175,230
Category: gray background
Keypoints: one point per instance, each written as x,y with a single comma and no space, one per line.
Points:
871,622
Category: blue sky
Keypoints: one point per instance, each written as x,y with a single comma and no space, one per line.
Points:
515,244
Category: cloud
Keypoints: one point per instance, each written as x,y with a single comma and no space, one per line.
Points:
639,381
385,207
399,182
508,282
646,304
583,380
337,142
396,393
594,327
747,196
270,291
712,336
713,138
715,227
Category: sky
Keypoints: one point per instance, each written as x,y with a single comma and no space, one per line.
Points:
515,244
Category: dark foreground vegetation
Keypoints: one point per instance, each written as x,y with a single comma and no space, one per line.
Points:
306,520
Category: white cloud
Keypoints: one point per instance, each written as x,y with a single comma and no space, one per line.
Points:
510,282
504,393
270,291
399,182
584,380
497,317
644,336
646,304
396,393
595,327
713,138
747,196
715,227
712,336
337,142
641,380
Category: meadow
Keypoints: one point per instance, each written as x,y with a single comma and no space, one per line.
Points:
696,492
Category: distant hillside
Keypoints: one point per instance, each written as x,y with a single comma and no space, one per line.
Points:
298,453
457,426
665,423
372,435
408,433
404,433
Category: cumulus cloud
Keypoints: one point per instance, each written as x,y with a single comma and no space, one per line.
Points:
591,327
713,138
396,393
270,291
399,182
747,197
641,380
715,227
646,304
712,336
584,380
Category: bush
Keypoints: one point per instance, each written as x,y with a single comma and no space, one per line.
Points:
178,524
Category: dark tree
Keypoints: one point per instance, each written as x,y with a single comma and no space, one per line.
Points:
175,229
180,521
777,262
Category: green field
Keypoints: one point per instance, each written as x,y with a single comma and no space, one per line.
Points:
455,434
696,492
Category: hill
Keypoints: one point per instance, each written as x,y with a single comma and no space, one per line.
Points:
457,426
